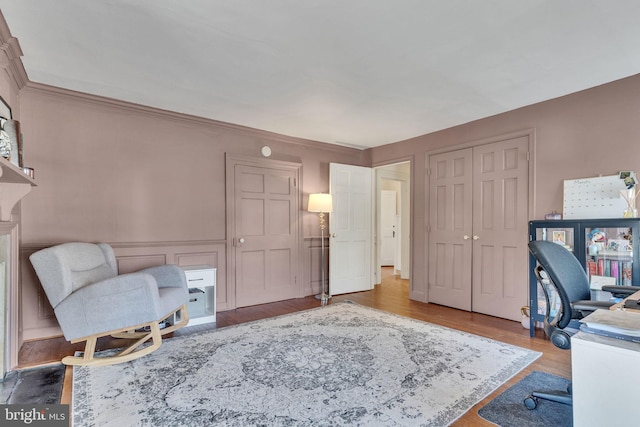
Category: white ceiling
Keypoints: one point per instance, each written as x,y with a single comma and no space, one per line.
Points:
360,73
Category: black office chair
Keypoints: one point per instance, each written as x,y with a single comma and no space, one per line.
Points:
562,276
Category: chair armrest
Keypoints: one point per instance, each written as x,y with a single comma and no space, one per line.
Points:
167,276
621,291
590,305
117,302
116,288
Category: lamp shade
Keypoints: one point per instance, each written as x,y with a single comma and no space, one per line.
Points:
320,202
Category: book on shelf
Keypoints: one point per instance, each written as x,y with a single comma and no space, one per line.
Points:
627,267
615,271
592,268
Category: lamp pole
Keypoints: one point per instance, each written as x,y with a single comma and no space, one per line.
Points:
323,296
321,203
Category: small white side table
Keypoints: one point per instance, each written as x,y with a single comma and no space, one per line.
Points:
201,280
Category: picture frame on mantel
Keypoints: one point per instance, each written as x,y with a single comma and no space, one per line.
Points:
5,110
12,131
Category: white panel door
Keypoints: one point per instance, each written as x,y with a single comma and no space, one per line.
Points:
397,262
350,228
388,222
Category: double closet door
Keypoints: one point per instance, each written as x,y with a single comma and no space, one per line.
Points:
477,233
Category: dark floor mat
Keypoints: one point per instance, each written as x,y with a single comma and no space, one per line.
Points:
508,410
36,385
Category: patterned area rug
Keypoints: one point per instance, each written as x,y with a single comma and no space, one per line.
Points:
342,364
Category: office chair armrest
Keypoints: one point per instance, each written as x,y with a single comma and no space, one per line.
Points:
590,305
621,291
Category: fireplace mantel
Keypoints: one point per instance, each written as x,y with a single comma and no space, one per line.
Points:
14,185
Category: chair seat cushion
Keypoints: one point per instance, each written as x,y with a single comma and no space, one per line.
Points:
170,298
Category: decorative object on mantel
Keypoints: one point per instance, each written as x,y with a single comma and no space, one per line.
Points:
11,141
5,139
29,172
14,183
321,203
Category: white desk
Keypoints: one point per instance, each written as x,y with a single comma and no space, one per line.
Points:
606,381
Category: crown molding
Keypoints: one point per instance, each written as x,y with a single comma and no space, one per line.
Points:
11,54
54,91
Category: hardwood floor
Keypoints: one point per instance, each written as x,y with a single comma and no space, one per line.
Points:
393,296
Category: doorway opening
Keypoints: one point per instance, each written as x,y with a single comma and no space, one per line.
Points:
393,219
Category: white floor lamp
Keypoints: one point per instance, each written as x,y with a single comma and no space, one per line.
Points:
321,203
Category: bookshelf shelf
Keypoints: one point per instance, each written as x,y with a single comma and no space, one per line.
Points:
604,247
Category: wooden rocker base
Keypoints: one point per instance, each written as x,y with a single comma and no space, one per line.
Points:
133,333
132,352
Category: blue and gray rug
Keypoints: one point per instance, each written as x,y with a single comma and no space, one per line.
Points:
508,410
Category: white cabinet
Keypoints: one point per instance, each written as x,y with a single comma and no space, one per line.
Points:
201,280
605,381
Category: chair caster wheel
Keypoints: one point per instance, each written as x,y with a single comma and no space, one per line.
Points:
531,402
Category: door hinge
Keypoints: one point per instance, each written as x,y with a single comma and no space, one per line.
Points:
294,183
528,156
428,171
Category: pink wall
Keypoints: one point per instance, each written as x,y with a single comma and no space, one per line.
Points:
143,179
149,182
586,134
116,172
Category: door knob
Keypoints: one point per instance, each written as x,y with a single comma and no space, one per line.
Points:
465,237
476,237
241,240
333,235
